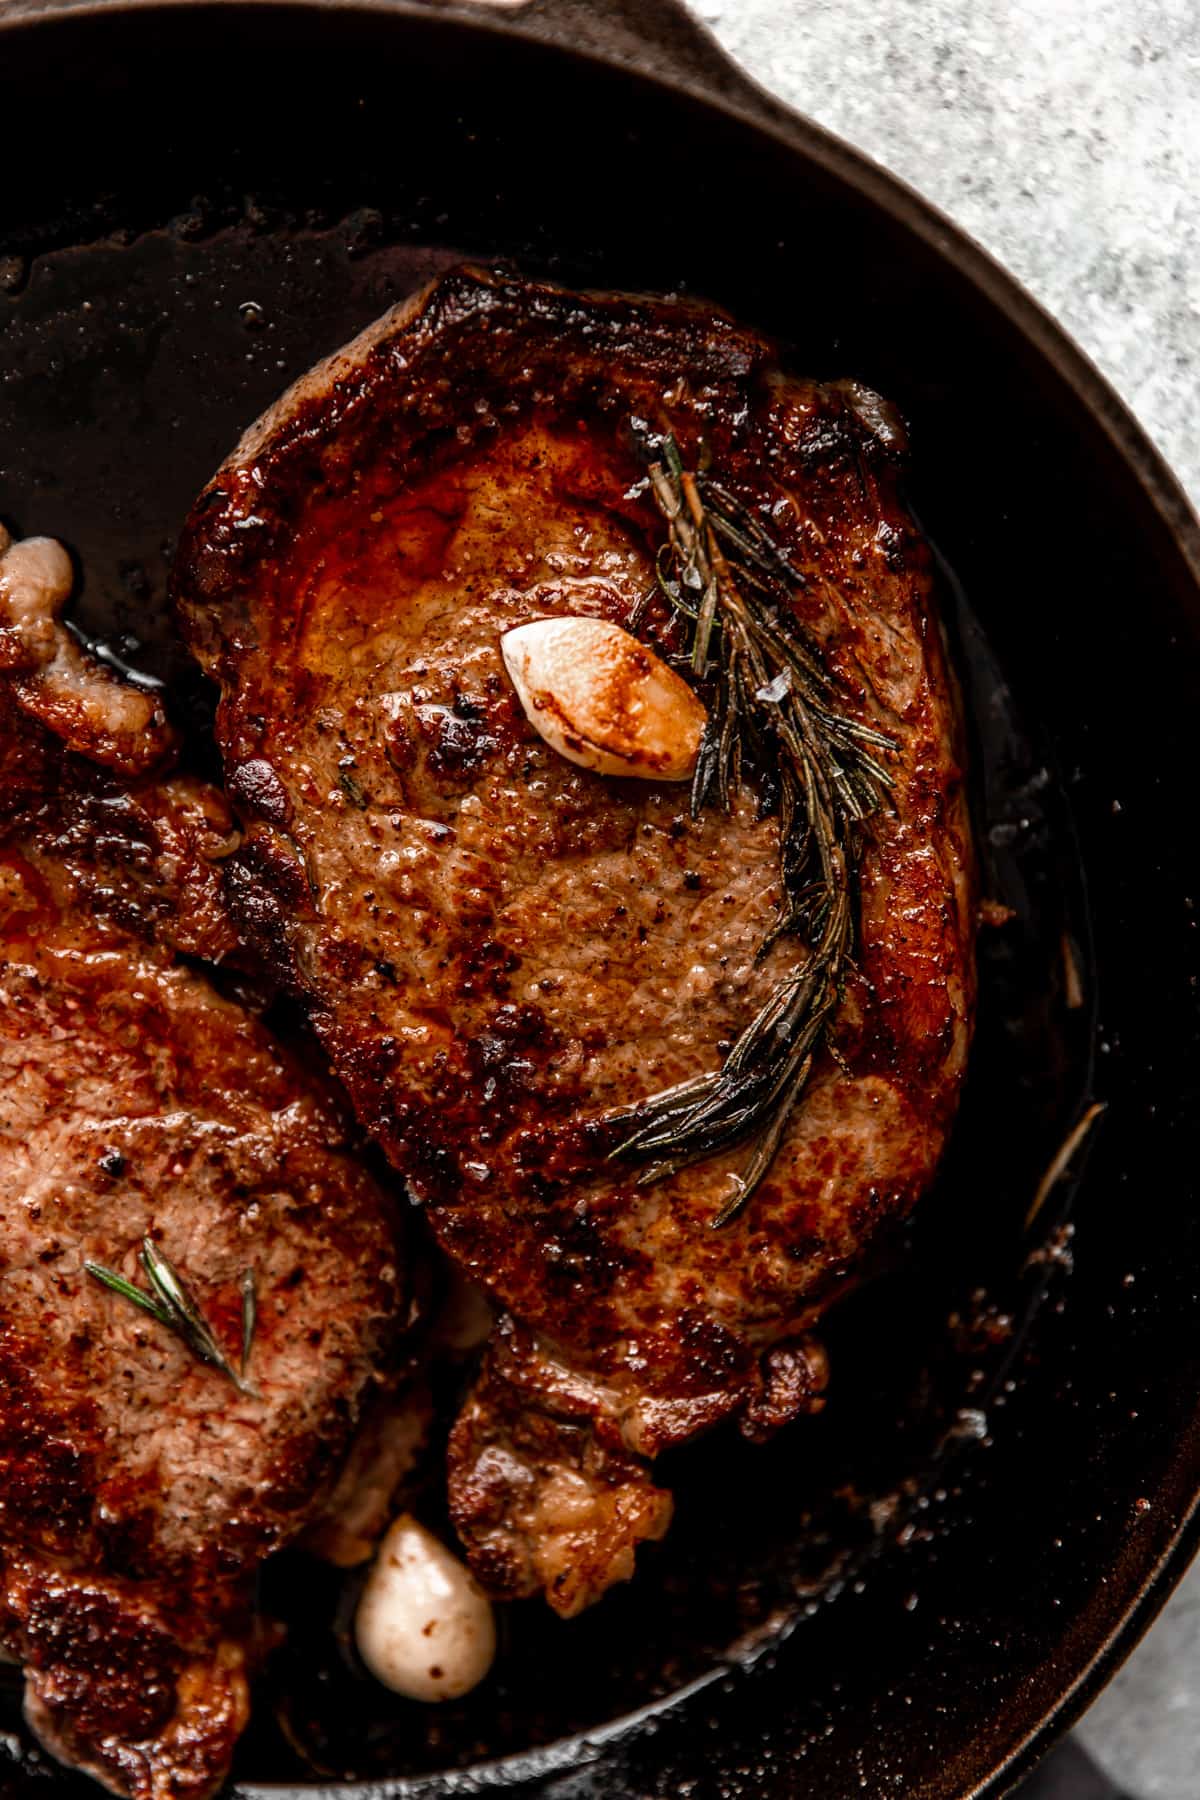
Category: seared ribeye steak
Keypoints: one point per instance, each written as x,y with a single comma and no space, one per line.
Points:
499,949
139,1486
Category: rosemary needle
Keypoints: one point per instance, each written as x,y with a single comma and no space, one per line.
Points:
775,708
249,1314
171,1303
1063,1158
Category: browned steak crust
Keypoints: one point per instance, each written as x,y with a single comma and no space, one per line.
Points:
497,947
138,1488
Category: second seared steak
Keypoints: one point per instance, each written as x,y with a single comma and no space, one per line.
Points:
499,948
140,1487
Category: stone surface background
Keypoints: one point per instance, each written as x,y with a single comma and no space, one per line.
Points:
1065,136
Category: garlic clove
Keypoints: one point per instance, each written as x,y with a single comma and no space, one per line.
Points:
604,700
424,1626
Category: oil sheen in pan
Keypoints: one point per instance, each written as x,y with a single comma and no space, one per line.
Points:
127,370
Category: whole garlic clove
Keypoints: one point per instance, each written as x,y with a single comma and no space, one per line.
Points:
604,700
424,1626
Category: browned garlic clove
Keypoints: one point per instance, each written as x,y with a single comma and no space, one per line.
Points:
604,700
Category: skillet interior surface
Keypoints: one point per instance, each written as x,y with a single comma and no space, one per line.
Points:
893,1599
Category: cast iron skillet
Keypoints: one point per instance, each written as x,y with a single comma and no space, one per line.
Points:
912,1595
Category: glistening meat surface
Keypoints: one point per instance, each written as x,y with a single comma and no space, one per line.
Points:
498,948
139,1488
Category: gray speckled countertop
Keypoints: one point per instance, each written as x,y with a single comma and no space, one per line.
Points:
1065,135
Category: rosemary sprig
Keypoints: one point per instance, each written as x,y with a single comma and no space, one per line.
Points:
774,709
172,1304
353,789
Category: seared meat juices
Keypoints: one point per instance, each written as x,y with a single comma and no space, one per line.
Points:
498,948
139,1487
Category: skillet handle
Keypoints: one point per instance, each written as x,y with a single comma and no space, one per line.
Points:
650,37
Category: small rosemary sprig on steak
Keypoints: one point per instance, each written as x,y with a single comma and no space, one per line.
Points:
774,709
171,1302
